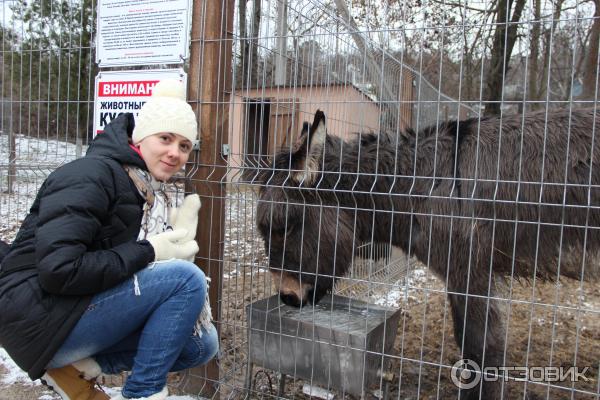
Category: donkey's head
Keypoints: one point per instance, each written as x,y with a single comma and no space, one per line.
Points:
307,237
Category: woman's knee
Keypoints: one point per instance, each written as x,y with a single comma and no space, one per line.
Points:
184,273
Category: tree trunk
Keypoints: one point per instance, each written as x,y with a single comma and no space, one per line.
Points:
244,48
373,70
542,88
253,59
590,72
534,54
247,67
281,55
502,46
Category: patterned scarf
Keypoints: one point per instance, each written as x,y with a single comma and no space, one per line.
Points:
155,221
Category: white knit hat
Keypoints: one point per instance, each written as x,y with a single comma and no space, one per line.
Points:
166,111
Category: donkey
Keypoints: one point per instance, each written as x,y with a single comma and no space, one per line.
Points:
477,200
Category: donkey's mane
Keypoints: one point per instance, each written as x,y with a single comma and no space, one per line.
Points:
367,144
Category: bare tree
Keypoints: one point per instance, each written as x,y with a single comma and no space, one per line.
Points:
253,58
534,52
373,70
590,72
243,32
548,35
505,36
247,67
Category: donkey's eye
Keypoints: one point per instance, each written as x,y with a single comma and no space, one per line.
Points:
285,232
277,236
280,236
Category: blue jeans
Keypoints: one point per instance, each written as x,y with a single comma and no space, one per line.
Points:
148,334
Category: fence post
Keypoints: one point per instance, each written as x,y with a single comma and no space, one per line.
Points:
209,81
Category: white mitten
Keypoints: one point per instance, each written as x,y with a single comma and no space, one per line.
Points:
171,244
186,215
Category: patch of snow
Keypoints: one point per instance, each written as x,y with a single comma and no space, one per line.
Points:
407,288
14,374
40,150
393,297
36,158
114,391
316,391
236,273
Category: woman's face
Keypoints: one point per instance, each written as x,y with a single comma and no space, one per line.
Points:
165,153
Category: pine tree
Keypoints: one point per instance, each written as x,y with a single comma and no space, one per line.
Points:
52,67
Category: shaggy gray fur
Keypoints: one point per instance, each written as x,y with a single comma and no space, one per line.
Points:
475,200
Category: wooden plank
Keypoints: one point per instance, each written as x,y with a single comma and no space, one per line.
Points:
209,83
283,123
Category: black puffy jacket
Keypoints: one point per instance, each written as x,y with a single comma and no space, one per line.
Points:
79,239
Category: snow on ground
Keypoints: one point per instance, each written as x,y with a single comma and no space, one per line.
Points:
244,250
36,158
40,150
15,376
408,288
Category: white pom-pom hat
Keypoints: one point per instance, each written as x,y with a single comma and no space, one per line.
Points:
166,111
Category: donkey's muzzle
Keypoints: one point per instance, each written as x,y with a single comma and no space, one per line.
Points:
290,299
315,294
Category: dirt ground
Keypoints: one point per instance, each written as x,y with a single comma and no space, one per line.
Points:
548,324
22,391
538,335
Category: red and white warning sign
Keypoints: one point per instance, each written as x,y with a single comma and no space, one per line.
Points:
119,92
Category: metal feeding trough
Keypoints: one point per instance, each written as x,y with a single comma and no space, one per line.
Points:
340,343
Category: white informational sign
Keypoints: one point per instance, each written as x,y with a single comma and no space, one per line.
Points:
136,32
119,92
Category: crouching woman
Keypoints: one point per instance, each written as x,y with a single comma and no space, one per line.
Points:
97,280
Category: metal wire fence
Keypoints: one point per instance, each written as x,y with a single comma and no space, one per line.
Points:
410,238
471,241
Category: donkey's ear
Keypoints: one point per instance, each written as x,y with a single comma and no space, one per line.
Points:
308,149
318,131
300,145
408,134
